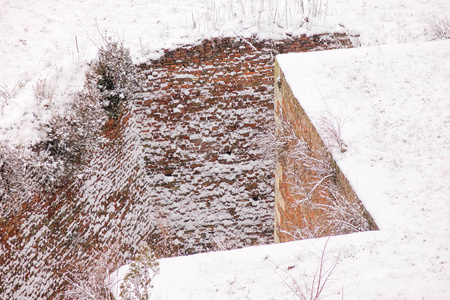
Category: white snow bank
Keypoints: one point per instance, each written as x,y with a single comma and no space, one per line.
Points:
396,103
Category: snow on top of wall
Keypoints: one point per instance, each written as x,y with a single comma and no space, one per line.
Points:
395,106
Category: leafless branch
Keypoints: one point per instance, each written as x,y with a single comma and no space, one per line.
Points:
312,183
5,96
439,28
313,286
330,126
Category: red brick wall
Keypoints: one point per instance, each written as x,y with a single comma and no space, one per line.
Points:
225,89
182,171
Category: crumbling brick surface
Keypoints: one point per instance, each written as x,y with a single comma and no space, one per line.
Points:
204,109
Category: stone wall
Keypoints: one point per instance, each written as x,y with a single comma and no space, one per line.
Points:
312,196
181,171
205,109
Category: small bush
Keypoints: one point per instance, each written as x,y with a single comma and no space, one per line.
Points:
44,90
137,283
330,125
310,286
14,188
438,28
313,184
5,96
69,141
93,282
115,77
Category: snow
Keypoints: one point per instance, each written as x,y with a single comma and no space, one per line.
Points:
54,40
394,97
398,134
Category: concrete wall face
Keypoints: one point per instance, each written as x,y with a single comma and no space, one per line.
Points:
312,196
182,170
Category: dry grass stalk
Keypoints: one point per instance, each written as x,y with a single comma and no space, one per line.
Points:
310,287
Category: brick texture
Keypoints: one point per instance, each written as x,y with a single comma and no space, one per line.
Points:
181,170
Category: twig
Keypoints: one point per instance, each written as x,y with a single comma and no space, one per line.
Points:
76,44
314,289
251,45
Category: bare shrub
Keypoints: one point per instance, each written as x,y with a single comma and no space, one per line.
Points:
263,14
137,283
44,90
222,244
69,142
164,243
312,182
93,282
15,189
70,139
330,126
5,96
315,10
438,28
97,281
310,286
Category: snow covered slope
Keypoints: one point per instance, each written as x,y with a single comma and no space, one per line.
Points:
53,40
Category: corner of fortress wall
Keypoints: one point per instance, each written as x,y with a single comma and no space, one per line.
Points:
292,214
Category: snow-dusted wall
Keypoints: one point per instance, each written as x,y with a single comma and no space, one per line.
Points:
204,112
183,170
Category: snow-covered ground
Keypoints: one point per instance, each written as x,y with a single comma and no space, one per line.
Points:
395,102
49,43
395,99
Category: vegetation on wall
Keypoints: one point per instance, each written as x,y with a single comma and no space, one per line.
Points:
68,140
114,76
137,283
310,178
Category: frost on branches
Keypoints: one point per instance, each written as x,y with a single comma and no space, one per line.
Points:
137,282
312,181
114,75
69,139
